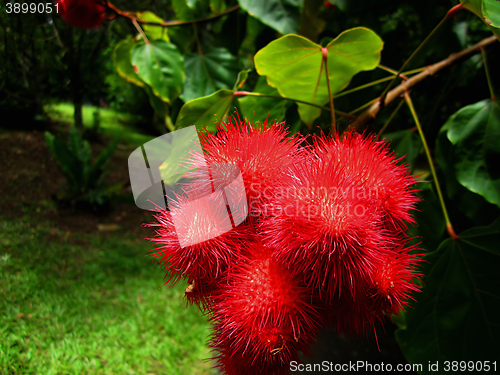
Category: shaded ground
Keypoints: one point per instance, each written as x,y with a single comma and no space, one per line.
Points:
30,180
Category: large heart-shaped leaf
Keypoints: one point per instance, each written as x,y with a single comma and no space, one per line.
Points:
262,106
474,132
161,66
205,112
209,72
123,65
486,10
281,15
491,12
456,316
294,65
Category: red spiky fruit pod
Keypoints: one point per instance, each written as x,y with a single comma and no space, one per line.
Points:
377,173
261,153
262,314
85,14
196,237
396,281
238,362
388,293
324,228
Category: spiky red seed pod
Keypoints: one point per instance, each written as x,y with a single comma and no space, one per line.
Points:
395,282
237,362
85,14
391,289
375,170
262,313
325,228
260,151
196,238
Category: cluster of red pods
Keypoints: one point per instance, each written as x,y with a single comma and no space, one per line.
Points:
322,241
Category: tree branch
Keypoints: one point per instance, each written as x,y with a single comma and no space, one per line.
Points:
395,93
132,16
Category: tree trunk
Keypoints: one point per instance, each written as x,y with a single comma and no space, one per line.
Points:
76,78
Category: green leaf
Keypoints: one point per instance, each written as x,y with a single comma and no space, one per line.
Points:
492,142
159,106
153,32
479,9
473,6
122,62
406,143
66,160
294,66
474,132
280,15
215,70
490,11
161,66
240,81
261,106
471,204
456,316
204,112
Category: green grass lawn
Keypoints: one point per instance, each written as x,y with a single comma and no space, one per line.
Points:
112,123
85,304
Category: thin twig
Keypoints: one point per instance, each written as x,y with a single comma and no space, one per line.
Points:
139,28
330,98
448,15
393,114
488,77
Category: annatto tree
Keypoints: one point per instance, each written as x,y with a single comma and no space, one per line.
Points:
341,225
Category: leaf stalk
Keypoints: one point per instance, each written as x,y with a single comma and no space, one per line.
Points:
488,77
324,51
449,227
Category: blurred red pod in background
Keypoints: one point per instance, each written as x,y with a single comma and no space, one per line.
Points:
86,14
